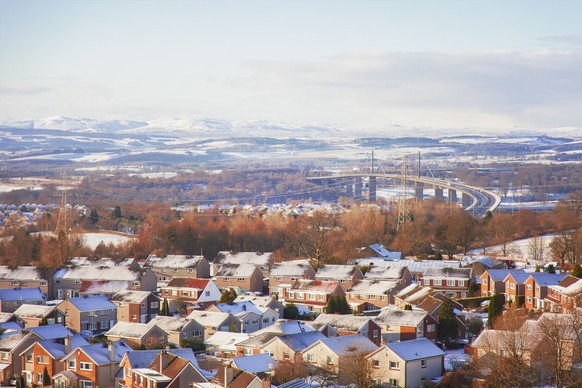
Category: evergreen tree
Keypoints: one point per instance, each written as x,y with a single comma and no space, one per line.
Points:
46,378
228,296
577,271
94,216
233,295
165,308
551,268
290,311
537,268
448,326
495,308
116,213
408,307
332,305
343,306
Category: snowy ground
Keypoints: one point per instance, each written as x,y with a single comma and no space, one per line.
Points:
518,249
454,358
94,239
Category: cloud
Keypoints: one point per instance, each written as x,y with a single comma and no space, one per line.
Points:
495,88
23,90
575,40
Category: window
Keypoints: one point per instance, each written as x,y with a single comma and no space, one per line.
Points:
299,295
329,360
93,326
311,296
431,328
175,292
184,293
310,357
512,286
86,384
226,279
450,282
240,279
41,359
320,297
248,352
197,333
375,333
484,282
29,357
285,356
207,293
85,366
71,364
375,363
255,321
291,294
154,305
278,278
105,312
265,320
528,299
4,355
371,297
104,324
39,378
423,363
393,382
175,269
352,296
193,294
43,282
77,281
461,283
190,270
437,282
383,297
92,313
134,317
394,365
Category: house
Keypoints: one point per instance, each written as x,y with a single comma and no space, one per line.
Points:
102,262
401,275
416,267
245,277
313,294
453,282
264,260
411,363
92,365
71,282
178,266
379,251
284,274
368,295
26,277
564,296
482,264
333,325
290,347
12,298
138,335
252,317
160,368
515,287
12,345
347,275
136,306
404,325
536,288
32,315
223,344
165,370
94,313
230,377
262,301
493,280
179,329
216,321
286,326
424,298
335,354
47,354
202,292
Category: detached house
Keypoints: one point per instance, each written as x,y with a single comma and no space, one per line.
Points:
404,325
284,274
493,280
178,266
216,321
244,277
372,294
32,315
453,282
290,347
138,334
347,275
95,313
262,301
252,317
536,287
136,306
12,299
333,325
179,329
26,277
202,292
515,287
313,294
407,364
264,260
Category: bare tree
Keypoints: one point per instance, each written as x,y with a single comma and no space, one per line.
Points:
537,249
356,369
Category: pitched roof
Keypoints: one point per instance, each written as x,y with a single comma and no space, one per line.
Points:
11,340
284,326
345,322
143,358
300,341
381,251
12,294
374,287
51,331
20,273
173,261
103,286
5,317
415,349
33,311
131,296
330,271
93,302
227,340
348,344
293,268
98,273
239,307
260,301
315,286
197,283
573,289
209,318
168,324
256,363
385,273
56,347
547,279
501,274
449,273
257,258
397,317
99,352
236,270
129,330
102,262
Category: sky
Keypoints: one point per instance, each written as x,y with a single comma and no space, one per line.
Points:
369,64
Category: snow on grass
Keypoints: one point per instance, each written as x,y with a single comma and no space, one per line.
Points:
518,250
91,240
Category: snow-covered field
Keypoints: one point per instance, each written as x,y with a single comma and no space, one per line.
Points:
518,250
94,239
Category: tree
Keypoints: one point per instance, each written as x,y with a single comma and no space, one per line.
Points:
228,296
165,311
474,325
332,305
310,237
356,369
116,213
343,305
537,249
448,326
495,308
196,344
290,311
94,216
551,268
577,271
408,307
46,378
287,371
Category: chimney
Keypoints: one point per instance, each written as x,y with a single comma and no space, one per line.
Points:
163,360
111,351
67,344
228,374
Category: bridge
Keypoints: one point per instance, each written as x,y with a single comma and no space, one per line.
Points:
473,199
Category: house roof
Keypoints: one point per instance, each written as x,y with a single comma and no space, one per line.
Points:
131,296
259,301
10,341
103,286
449,273
573,289
257,258
129,330
226,340
294,268
374,287
175,365
99,352
209,318
284,326
174,261
345,322
98,273
236,308
34,311
519,277
300,341
93,302
5,317
331,271
51,331
415,349
414,266
12,294
144,358
256,363
196,283
102,262
503,339
152,374
258,340
319,286
501,274
20,273
398,317
381,251
168,324
56,347
347,344
547,279
385,273
236,270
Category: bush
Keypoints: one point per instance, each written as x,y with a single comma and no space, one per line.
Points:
196,344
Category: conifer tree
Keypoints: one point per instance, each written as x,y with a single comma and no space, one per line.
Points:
448,326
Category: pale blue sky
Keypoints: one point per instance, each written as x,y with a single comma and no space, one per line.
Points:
370,63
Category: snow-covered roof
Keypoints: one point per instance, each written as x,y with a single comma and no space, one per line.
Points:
381,251
239,307
56,347
284,326
129,330
103,262
500,274
448,273
257,258
51,331
573,289
260,301
396,317
100,353
318,286
103,286
256,363
93,302
143,358
33,311
173,261
209,318
331,271
168,324
12,294
98,273
294,268
130,296
385,273
10,341
415,349
236,270
519,277
547,279
348,344
414,266
195,283
226,340
20,273
5,317
300,341
345,322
